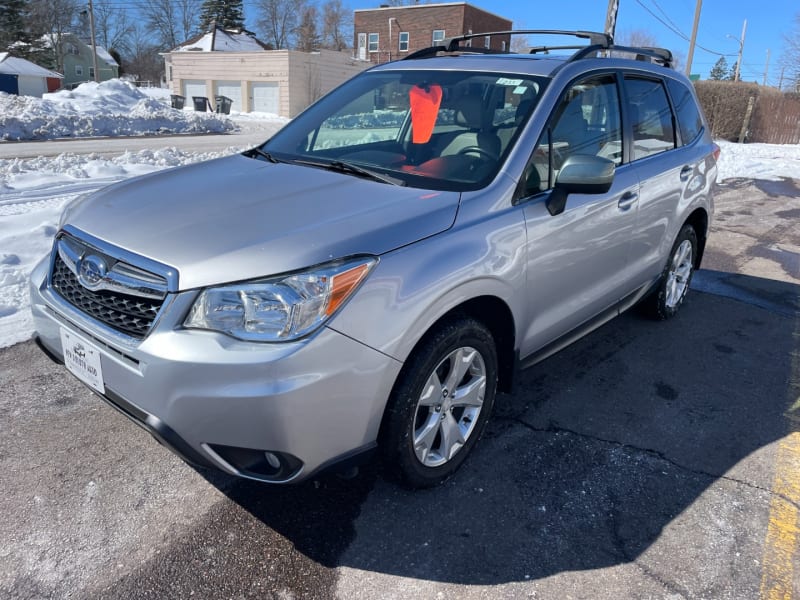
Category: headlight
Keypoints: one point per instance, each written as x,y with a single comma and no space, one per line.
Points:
280,309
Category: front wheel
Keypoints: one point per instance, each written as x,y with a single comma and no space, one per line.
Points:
671,290
441,403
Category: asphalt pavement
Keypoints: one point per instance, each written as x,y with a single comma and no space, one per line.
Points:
647,460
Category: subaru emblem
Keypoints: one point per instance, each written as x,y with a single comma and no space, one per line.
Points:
92,270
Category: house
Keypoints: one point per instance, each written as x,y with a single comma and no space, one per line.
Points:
22,77
392,32
78,64
233,63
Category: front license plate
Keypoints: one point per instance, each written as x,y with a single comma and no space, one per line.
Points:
82,359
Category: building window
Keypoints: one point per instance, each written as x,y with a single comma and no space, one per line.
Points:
403,42
503,45
79,70
487,41
469,41
91,72
373,42
438,36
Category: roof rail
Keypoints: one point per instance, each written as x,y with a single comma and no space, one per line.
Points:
597,42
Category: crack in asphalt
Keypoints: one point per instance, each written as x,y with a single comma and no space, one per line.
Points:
650,451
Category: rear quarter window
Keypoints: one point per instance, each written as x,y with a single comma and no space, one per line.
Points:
689,120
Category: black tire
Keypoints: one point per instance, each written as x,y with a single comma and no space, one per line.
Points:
667,298
414,411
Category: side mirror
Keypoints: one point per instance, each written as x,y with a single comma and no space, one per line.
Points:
580,174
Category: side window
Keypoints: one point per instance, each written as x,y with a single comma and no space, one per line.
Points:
586,121
689,120
650,116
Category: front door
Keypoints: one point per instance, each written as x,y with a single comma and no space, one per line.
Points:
577,261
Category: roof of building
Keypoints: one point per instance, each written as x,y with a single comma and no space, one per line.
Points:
428,6
13,65
102,53
223,40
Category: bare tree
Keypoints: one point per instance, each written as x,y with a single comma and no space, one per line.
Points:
307,35
171,21
519,44
51,20
337,25
278,20
113,28
638,38
790,59
144,62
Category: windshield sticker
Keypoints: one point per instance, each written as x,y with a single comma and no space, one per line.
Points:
505,81
519,90
425,100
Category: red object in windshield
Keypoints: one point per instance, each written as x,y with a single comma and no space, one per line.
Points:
425,103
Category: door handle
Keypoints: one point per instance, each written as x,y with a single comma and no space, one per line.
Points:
685,172
627,200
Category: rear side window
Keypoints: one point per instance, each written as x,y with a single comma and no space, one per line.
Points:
650,117
689,120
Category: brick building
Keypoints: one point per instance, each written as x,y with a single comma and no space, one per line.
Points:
392,32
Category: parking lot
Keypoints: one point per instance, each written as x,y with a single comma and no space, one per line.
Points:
648,460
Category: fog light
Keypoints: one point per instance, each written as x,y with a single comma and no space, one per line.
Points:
269,465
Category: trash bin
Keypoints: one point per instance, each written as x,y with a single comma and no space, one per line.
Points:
223,104
200,103
177,101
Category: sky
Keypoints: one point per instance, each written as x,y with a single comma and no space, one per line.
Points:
767,21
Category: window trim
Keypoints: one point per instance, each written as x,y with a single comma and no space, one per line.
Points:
433,37
79,70
377,42
487,42
400,41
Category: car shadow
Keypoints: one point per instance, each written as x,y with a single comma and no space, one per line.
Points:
596,452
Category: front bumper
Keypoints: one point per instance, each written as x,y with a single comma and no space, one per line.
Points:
217,401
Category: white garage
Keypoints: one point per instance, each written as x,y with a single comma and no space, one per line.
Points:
233,90
193,87
265,97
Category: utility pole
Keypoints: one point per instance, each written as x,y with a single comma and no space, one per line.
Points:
780,82
737,76
766,68
94,44
693,40
611,17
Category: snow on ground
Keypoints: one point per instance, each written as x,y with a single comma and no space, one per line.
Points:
34,191
111,108
758,161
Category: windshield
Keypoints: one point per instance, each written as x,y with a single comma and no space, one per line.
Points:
445,130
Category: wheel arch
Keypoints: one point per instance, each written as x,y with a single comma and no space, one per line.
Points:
699,222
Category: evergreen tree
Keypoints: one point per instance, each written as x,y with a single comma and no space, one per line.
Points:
15,31
732,73
12,23
229,14
307,34
720,70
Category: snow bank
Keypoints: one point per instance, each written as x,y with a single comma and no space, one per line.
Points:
111,108
758,161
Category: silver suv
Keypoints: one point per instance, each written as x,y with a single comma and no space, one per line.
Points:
375,273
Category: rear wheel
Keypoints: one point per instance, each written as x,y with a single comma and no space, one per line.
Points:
441,403
667,298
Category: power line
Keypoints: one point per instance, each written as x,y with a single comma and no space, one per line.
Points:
677,31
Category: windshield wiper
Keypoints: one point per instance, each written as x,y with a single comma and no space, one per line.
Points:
341,166
259,152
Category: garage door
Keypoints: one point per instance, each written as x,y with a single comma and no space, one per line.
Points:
266,97
193,88
233,90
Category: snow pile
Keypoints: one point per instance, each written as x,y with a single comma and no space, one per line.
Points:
111,108
758,161
33,192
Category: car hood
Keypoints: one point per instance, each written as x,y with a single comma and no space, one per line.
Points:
237,218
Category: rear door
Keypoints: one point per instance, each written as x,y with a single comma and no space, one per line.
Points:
577,261
667,168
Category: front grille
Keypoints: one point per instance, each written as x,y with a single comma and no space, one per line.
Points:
125,313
